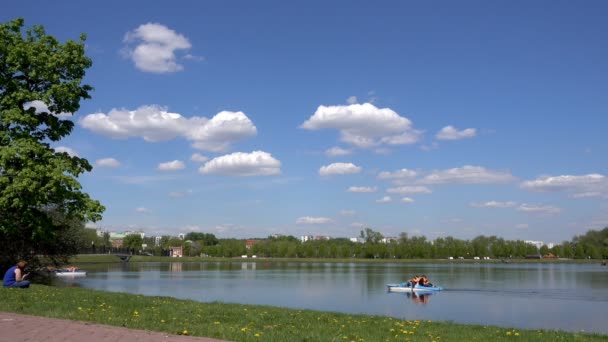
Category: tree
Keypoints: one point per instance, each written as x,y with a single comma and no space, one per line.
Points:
41,197
132,241
371,236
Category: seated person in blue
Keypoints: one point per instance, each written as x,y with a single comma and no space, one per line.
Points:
15,276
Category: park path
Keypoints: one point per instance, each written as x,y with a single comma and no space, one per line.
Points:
25,328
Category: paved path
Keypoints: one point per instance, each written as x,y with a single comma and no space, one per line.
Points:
24,328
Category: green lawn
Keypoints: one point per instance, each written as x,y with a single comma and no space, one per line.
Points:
236,322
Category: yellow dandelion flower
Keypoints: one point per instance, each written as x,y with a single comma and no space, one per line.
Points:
185,332
216,322
508,333
516,334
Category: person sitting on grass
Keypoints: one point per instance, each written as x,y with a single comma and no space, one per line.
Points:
15,276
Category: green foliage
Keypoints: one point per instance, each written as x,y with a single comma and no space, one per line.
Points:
235,322
205,239
371,236
41,200
133,241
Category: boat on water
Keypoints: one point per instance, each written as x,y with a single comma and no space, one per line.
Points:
68,273
405,287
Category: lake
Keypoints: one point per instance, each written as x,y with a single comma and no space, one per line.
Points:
571,297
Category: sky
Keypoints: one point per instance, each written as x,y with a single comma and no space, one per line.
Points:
251,118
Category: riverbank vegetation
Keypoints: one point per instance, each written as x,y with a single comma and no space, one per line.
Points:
372,245
237,322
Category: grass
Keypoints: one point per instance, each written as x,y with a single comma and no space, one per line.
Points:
236,322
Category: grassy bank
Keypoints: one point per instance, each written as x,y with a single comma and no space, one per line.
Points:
105,258
236,322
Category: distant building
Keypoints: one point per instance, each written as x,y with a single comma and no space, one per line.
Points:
305,238
176,252
357,239
100,232
157,240
388,239
538,244
181,236
250,243
276,236
116,239
322,237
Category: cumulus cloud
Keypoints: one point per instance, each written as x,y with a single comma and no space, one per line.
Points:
179,194
399,174
154,123
337,151
591,185
539,209
362,189
494,204
364,125
468,175
68,150
339,169
351,100
152,48
451,133
313,220
384,199
174,165
402,190
41,107
347,212
198,158
407,200
256,163
107,162
142,210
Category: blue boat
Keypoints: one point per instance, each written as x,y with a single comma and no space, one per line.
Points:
406,287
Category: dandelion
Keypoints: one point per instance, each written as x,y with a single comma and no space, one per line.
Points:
508,333
185,332
516,334
216,322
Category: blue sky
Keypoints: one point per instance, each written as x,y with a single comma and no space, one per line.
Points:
246,119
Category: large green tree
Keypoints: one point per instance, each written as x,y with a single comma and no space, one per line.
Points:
40,196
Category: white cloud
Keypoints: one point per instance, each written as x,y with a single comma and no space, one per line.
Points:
591,185
142,210
198,158
494,204
154,123
384,199
417,189
364,125
174,165
337,151
399,174
363,189
468,175
339,169
41,107
107,162
539,209
313,220
155,47
351,100
179,194
451,133
68,150
256,163
407,200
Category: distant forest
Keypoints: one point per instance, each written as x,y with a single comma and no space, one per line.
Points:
592,245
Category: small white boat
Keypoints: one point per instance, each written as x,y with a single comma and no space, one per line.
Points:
405,287
68,273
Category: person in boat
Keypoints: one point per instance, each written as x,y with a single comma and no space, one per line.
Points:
424,281
414,281
72,268
15,276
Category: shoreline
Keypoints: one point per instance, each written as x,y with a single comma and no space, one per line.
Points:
238,322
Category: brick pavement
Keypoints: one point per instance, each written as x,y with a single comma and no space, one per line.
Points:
25,328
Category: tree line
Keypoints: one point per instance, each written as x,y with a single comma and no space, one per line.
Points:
593,244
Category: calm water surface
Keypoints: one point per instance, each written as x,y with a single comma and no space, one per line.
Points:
532,296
